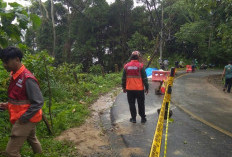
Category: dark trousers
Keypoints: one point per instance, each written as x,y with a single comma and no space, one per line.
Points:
132,96
228,84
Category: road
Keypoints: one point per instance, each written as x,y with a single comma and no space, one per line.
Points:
195,94
188,137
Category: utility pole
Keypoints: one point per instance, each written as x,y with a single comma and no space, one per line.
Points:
161,32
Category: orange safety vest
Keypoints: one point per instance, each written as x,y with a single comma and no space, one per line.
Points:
18,102
133,75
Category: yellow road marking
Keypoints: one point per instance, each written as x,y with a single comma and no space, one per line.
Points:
181,75
202,120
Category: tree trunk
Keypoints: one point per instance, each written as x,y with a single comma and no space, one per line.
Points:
47,124
155,51
161,33
75,77
116,68
53,28
42,6
103,71
49,91
67,52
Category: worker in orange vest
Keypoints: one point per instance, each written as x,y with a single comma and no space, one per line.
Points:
133,81
24,104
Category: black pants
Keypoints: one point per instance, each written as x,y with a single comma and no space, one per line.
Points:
132,96
228,84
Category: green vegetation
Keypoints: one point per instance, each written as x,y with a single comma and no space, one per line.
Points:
10,32
72,90
70,99
201,29
191,29
88,39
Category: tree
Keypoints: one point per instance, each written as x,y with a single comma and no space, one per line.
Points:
53,29
94,32
138,42
13,22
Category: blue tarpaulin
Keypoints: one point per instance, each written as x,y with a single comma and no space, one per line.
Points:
149,71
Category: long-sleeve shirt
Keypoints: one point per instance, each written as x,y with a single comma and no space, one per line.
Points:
143,75
35,97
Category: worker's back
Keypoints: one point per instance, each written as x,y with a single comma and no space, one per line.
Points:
228,73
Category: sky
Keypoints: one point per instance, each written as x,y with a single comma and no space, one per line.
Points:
22,2
27,2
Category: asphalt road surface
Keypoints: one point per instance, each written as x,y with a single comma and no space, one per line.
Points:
188,137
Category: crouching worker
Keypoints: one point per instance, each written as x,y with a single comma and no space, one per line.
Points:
133,81
24,104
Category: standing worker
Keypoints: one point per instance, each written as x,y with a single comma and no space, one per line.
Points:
227,73
181,64
166,63
177,65
133,81
24,104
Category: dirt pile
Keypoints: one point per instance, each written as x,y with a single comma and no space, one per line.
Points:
90,138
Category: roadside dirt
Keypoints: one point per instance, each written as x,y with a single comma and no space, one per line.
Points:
121,129
128,152
91,138
216,81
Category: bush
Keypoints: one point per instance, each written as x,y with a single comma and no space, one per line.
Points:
4,80
70,99
95,69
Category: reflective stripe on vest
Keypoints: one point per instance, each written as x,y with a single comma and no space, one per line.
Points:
18,102
133,76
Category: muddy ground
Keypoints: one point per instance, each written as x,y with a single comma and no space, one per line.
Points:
98,137
91,139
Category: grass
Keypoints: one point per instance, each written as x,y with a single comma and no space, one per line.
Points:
70,108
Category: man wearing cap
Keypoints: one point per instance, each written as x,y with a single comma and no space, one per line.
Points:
24,104
133,82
